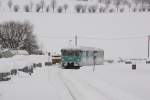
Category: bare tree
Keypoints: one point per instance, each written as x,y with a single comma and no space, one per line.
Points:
122,10
38,7
102,9
10,3
92,9
16,8
47,8
136,4
26,8
126,2
78,8
65,7
15,35
53,4
107,2
84,8
100,1
60,9
42,3
111,10
117,4
31,6
0,3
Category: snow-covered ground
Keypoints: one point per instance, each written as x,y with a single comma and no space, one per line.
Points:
108,82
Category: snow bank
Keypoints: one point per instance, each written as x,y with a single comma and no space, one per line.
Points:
5,65
21,61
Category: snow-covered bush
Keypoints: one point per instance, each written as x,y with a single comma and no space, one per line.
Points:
18,35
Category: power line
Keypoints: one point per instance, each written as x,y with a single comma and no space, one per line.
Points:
111,38
95,38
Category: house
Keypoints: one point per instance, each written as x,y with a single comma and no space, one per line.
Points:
56,58
6,53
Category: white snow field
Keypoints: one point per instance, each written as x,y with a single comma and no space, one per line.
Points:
108,82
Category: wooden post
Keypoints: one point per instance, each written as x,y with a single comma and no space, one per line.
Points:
49,56
76,40
148,44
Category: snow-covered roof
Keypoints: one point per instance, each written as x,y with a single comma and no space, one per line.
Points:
9,53
19,52
6,53
82,48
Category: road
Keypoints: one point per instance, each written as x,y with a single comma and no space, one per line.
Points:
67,84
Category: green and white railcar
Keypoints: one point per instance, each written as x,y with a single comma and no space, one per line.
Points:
75,57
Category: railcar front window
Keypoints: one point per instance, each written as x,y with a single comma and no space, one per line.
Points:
70,52
77,53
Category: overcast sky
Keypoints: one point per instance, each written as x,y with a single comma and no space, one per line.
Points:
120,35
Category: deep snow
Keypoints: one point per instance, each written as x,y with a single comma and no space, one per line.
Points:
108,82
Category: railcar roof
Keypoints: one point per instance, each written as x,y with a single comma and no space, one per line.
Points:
82,48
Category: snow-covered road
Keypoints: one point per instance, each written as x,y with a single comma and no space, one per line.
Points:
108,82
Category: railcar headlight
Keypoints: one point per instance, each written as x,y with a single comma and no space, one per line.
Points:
78,60
62,59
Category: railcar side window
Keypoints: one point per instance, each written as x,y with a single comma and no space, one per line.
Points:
87,53
71,52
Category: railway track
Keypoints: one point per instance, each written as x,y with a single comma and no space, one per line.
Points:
80,91
80,88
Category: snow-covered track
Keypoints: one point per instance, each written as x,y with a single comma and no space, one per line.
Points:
79,90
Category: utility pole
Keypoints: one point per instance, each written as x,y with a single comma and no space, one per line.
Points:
94,60
70,42
148,44
76,40
142,5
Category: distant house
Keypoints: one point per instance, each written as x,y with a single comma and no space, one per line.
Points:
6,53
19,52
38,52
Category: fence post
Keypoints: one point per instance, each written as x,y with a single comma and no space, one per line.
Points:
94,57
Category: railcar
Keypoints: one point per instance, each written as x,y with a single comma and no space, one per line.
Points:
75,57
